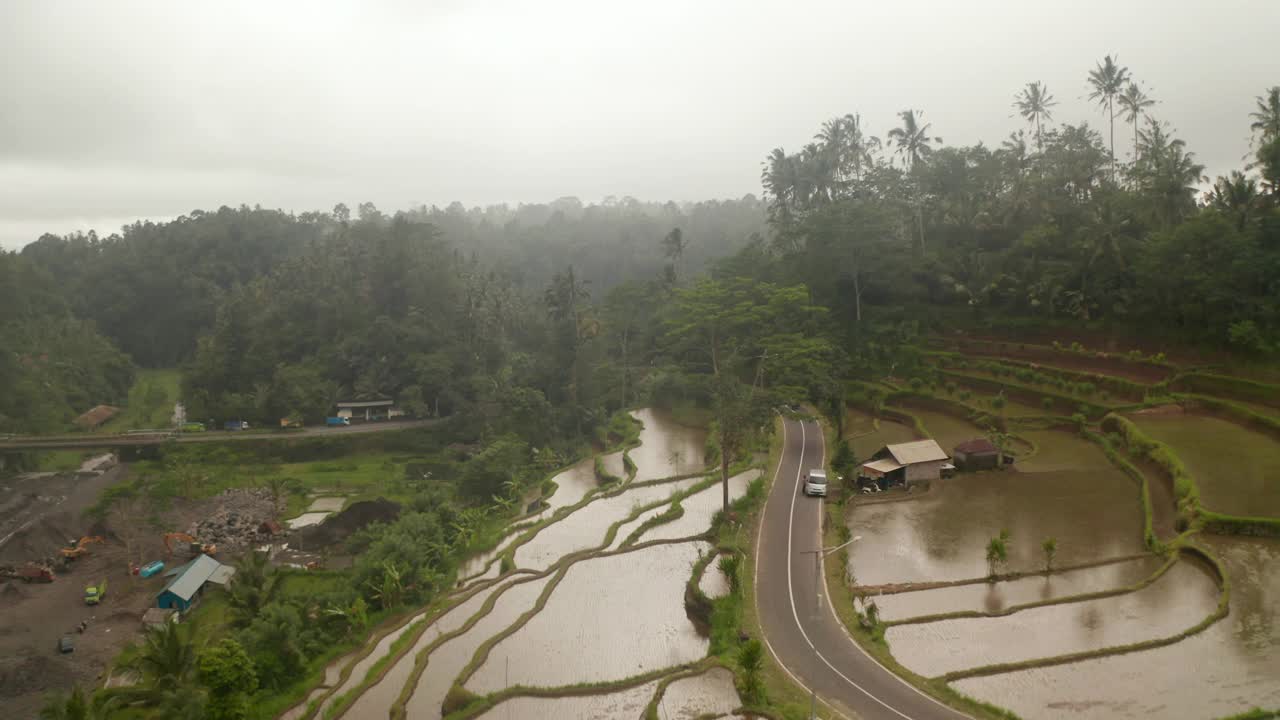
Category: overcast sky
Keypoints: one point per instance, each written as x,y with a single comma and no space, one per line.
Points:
113,111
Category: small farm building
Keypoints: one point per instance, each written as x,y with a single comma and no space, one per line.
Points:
906,463
190,580
369,410
977,454
96,416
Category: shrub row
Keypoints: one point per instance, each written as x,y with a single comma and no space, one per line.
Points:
1029,395
1072,382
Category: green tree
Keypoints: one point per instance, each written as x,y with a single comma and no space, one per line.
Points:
167,663
75,705
997,554
1034,103
252,587
1107,81
1134,103
228,673
1266,119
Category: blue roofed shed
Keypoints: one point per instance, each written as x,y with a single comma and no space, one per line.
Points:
190,581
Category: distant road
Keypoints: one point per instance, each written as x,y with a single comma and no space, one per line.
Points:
141,439
810,641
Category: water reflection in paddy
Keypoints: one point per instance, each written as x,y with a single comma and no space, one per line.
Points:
667,448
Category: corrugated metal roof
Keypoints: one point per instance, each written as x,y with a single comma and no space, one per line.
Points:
977,445
197,574
222,575
366,403
882,466
917,452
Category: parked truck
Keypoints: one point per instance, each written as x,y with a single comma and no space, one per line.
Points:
94,593
235,425
337,421
30,573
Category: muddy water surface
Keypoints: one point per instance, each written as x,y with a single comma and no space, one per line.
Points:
1237,469
667,448
707,695
1175,602
700,507
994,597
586,527
622,704
447,660
571,486
610,618
714,583
377,700
625,529
1093,514
1229,668
362,668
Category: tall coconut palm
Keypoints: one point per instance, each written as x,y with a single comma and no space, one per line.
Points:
912,139
78,706
778,178
1108,80
1033,103
858,146
1167,174
914,144
1134,102
1236,197
1266,121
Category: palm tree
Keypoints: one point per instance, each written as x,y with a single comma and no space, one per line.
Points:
1236,196
1107,81
1134,102
913,143
912,139
1033,104
76,706
1266,121
1167,173
779,181
167,662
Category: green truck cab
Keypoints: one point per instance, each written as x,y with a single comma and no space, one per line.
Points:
94,593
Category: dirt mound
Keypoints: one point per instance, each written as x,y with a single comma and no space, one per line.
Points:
41,539
33,673
232,519
337,528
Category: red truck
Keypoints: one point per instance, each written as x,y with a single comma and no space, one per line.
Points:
28,573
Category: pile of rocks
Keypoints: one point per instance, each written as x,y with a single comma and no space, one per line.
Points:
236,520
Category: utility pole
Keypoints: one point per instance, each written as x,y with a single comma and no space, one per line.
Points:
818,555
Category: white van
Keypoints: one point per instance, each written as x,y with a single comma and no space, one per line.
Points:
815,483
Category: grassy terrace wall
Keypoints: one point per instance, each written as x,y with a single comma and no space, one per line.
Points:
1185,488
1033,396
1048,354
1022,370
1228,410
1149,537
1229,387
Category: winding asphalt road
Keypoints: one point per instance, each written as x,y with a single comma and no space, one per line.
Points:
803,632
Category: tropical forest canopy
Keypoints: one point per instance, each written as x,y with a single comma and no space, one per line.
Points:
563,311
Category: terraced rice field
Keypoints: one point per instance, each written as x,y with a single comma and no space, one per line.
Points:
560,617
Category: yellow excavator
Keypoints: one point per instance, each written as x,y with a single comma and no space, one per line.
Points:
195,545
80,547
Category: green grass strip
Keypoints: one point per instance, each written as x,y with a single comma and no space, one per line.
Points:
895,588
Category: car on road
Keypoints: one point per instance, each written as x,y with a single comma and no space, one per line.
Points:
815,482
66,644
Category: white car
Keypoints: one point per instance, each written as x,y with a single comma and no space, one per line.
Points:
815,483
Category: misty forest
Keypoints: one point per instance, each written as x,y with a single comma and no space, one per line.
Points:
879,281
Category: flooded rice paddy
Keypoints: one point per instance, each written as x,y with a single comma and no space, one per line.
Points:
1182,597
1232,666
380,697
576,637
587,526
700,507
306,520
327,504
447,660
362,667
1237,469
667,448
995,597
714,583
710,694
571,486
948,430
628,703
942,535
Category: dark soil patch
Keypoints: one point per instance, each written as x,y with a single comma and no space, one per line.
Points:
337,528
